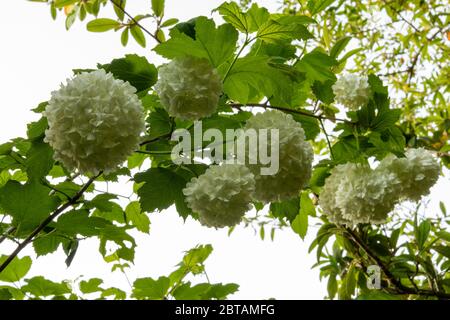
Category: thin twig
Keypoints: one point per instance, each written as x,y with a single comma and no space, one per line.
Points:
327,138
135,21
7,233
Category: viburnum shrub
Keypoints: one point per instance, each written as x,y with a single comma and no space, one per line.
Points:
359,174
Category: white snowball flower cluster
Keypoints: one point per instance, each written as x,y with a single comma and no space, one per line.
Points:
221,195
352,91
95,122
189,88
295,157
415,174
355,193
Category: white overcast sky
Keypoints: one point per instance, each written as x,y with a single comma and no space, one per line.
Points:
38,54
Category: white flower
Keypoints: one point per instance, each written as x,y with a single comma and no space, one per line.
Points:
95,122
295,157
189,88
355,193
352,91
221,195
415,174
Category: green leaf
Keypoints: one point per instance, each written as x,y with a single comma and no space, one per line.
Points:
158,7
46,244
300,223
119,7
443,250
256,17
339,46
390,140
138,35
286,209
135,69
422,232
345,150
37,129
247,22
39,160
253,76
102,202
219,44
318,178
194,258
161,189
102,25
160,123
323,91
137,218
188,292
148,288
274,31
91,286
169,22
348,55
5,294
215,44
41,287
316,6
317,66
78,222
282,49
444,235
27,204
124,36
63,3
16,270
348,285
309,124
231,13
221,291
386,119
332,286
160,35
204,291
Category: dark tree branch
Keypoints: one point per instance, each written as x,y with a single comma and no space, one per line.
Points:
266,106
44,223
400,287
155,139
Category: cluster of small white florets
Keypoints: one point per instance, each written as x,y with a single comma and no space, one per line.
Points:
189,88
222,195
355,193
352,91
95,122
415,174
295,157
